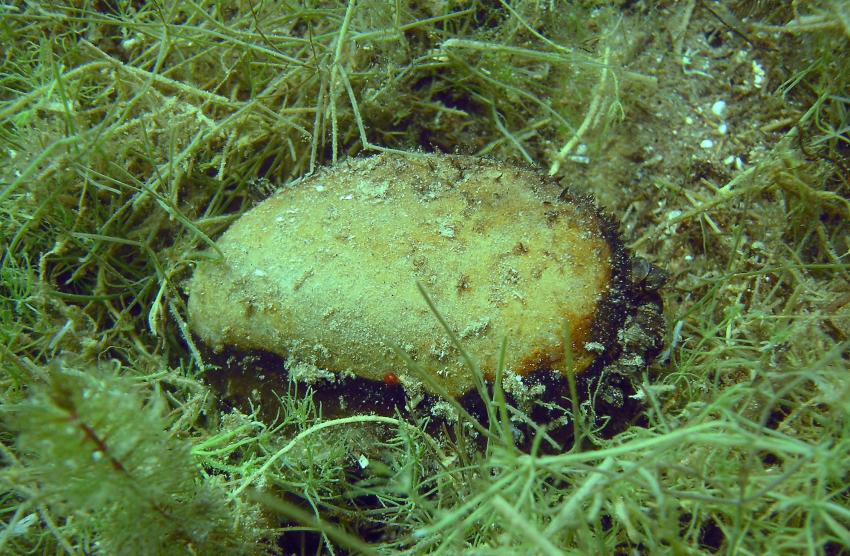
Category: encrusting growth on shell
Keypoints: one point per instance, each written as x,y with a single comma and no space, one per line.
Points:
324,272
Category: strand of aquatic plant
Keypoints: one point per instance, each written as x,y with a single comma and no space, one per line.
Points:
314,429
589,117
571,508
713,432
452,517
336,66
517,521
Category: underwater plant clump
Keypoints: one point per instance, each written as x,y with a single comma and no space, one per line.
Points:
94,447
325,274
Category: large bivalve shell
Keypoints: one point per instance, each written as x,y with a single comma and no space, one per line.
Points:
324,273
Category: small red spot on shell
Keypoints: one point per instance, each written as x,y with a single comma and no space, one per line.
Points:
391,379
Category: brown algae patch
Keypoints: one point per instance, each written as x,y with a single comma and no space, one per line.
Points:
324,274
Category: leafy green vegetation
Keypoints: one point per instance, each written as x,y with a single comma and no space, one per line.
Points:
94,449
132,134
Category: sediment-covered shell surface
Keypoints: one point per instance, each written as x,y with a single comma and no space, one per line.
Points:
324,272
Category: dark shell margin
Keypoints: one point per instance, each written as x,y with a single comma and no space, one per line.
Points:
630,320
